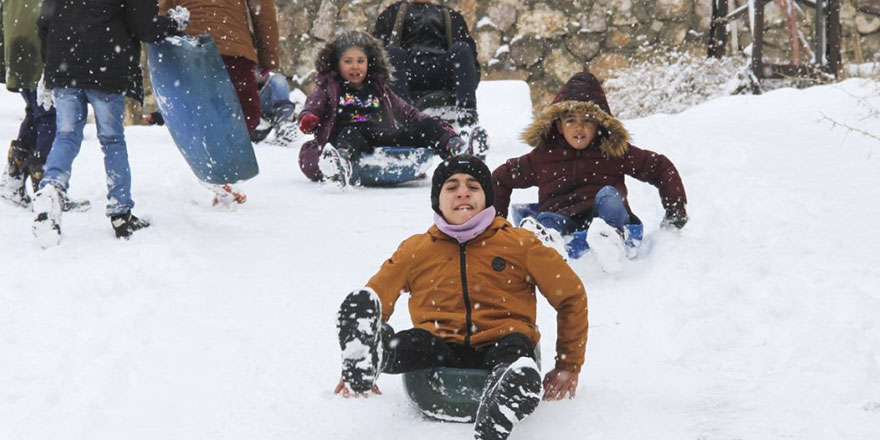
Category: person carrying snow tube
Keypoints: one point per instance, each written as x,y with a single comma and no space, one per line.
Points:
471,279
351,111
76,38
580,158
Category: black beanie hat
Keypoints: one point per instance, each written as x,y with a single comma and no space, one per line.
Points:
467,164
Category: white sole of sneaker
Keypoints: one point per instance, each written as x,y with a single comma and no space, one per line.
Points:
607,245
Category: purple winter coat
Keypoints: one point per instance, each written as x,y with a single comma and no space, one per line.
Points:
323,102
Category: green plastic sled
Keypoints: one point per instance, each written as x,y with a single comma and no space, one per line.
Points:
447,394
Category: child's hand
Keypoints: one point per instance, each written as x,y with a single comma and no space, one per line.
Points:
308,122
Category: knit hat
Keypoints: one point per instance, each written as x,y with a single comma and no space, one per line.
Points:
467,164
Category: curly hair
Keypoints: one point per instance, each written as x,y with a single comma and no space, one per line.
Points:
377,58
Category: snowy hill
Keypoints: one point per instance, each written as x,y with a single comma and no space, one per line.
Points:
757,321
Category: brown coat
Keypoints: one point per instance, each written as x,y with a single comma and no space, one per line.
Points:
489,283
227,23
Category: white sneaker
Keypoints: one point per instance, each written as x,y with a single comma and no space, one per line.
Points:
607,245
227,196
334,167
47,224
287,134
549,236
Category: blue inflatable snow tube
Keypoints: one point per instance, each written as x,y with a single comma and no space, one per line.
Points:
388,166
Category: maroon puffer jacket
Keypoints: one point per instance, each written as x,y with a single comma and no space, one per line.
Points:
568,179
323,102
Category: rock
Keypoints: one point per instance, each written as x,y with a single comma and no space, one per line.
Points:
594,23
674,33
622,13
606,64
562,65
502,13
527,51
703,13
617,39
488,42
325,24
543,22
354,17
673,9
866,26
583,46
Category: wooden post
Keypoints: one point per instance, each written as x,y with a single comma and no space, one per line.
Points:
833,27
820,36
758,40
718,29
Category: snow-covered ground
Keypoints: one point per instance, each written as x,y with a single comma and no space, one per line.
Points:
758,321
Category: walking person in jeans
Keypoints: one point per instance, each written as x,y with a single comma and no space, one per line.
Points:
91,52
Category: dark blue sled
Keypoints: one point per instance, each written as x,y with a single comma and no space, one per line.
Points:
577,245
201,109
388,166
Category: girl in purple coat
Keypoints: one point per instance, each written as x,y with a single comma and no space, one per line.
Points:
351,111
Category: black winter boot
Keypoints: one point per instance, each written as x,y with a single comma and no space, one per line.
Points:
125,224
13,180
512,393
359,323
35,165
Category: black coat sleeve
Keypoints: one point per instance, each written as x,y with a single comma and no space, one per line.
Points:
385,24
47,13
460,33
144,23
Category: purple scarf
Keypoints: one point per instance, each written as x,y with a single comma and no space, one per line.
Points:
469,229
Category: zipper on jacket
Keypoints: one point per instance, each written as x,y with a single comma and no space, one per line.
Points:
464,292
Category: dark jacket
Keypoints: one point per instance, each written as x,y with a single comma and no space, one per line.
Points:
96,44
424,29
568,179
478,292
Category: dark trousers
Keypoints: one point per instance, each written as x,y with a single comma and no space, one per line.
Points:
241,72
454,71
362,138
37,130
415,349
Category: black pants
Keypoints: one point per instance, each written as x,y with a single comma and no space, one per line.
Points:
359,139
454,71
415,349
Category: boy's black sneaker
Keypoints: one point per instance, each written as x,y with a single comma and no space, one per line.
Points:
512,393
359,324
125,224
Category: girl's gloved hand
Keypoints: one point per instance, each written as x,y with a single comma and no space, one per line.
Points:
308,122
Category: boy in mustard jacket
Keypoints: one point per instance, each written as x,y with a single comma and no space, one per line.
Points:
471,279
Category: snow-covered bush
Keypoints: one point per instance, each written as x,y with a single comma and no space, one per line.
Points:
671,83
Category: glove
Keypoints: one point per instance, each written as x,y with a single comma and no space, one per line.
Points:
308,122
45,98
180,15
675,218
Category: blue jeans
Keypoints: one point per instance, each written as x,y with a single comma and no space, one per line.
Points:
71,112
275,99
609,206
37,130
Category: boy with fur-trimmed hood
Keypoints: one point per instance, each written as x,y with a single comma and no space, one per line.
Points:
352,110
581,157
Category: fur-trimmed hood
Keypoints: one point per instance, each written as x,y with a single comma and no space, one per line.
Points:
581,94
377,59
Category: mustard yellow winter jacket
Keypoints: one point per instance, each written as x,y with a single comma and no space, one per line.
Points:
478,292
227,23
